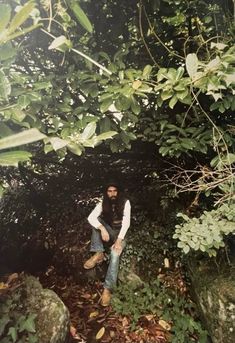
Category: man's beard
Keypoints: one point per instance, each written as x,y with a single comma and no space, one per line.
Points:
113,200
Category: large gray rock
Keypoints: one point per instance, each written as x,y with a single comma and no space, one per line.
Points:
52,321
214,290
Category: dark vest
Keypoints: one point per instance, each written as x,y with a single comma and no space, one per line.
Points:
116,218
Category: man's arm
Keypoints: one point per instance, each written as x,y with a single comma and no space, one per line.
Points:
126,220
93,216
93,220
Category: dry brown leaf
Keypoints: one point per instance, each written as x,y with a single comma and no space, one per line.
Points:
164,324
100,333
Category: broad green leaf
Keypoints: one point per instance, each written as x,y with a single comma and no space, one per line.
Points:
173,101
89,131
122,103
75,148
135,107
24,137
106,135
12,158
57,143
147,71
13,333
5,15
191,64
105,105
81,16
29,324
21,16
166,95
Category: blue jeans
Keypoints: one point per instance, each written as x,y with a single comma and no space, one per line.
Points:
98,245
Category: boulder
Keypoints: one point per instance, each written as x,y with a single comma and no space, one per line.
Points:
214,291
52,321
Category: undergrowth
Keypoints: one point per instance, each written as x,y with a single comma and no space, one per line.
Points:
153,298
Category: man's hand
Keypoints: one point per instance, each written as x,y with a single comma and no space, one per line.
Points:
117,246
104,233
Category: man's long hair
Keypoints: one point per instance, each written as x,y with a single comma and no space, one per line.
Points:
107,213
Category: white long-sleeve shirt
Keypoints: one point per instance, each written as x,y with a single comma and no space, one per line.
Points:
93,218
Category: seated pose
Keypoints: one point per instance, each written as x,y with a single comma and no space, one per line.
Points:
110,221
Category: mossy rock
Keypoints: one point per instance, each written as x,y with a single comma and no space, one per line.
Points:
214,290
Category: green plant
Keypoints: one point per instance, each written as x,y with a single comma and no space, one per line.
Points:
15,325
153,298
207,232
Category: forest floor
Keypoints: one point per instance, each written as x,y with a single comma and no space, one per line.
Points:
81,290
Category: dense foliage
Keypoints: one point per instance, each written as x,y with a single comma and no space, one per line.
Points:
74,74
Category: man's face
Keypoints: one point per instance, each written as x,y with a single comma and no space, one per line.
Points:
112,193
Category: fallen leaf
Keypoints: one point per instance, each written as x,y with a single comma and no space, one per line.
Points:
164,324
100,333
93,314
166,262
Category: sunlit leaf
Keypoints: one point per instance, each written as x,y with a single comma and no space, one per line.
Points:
12,158
25,137
191,64
106,135
100,333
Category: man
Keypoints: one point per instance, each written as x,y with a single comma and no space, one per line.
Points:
110,221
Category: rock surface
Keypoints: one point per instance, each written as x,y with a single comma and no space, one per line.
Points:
214,290
52,321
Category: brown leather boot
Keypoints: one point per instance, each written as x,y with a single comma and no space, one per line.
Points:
105,297
98,257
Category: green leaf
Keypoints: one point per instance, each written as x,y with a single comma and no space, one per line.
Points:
81,16
135,107
13,333
75,148
105,105
191,64
166,95
89,131
25,137
147,71
106,135
21,16
173,101
12,158
5,15
57,143
29,324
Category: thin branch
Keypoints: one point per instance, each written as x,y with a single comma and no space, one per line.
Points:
159,39
83,55
142,36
